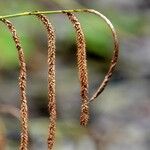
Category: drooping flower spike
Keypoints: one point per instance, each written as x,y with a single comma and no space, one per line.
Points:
82,68
22,86
51,79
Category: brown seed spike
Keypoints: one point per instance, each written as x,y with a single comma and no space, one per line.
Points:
82,67
51,80
22,85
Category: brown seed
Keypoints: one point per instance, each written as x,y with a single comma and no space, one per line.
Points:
51,80
22,85
82,67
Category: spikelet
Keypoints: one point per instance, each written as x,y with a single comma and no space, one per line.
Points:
82,67
22,85
51,80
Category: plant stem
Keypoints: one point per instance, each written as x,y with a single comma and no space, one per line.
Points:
41,12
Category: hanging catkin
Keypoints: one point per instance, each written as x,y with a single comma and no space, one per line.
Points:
22,85
82,67
51,80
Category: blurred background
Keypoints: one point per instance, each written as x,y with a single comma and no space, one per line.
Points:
120,116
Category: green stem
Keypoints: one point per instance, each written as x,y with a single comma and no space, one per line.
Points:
41,12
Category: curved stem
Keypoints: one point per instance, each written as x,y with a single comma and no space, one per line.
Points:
114,57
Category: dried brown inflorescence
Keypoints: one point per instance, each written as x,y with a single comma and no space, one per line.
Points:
22,85
51,79
82,67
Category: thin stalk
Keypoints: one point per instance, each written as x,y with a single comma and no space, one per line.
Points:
41,12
